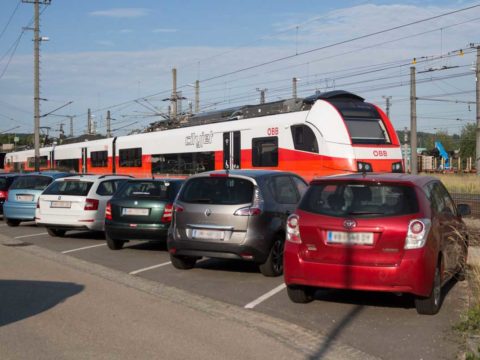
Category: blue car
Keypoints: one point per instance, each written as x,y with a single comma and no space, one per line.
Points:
23,195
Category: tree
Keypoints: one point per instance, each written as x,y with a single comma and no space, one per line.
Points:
467,141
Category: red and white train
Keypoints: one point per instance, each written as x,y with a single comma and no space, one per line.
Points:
329,133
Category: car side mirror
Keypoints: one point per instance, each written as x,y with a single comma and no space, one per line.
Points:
464,209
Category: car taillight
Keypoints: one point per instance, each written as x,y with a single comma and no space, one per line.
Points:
108,211
167,214
178,208
91,204
293,229
255,208
3,194
417,233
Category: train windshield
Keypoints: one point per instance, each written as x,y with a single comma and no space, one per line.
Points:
363,122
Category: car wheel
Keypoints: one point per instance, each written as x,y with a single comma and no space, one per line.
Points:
274,264
12,222
300,294
56,232
183,262
431,305
114,244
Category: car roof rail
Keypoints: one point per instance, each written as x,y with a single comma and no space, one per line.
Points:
105,175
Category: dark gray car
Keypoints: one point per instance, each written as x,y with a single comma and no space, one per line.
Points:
239,214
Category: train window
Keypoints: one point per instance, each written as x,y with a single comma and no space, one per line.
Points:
130,157
43,161
67,165
185,163
367,131
99,158
304,138
265,151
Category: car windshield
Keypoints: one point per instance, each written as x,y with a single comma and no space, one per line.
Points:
33,182
158,189
218,190
69,187
342,199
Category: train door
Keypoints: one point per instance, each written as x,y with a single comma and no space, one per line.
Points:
84,160
231,150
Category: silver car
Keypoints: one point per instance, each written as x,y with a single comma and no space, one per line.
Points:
237,214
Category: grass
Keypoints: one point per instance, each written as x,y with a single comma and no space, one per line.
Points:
461,183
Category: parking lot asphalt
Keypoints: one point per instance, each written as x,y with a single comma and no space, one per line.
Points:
383,325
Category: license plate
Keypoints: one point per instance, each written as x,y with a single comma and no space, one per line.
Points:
136,211
354,238
208,234
61,204
24,197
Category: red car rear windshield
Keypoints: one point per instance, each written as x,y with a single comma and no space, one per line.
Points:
218,190
342,199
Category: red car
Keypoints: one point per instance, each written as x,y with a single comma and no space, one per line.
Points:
378,232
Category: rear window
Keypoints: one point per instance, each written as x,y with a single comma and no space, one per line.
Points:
3,183
218,190
360,199
32,182
157,189
69,187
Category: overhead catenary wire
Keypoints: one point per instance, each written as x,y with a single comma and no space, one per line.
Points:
10,18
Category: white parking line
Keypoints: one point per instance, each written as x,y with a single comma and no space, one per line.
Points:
31,235
83,248
149,268
264,297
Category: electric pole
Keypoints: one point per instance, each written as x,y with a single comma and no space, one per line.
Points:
173,99
89,121
294,87
197,96
387,105
262,95
109,125
413,122
36,77
71,125
477,79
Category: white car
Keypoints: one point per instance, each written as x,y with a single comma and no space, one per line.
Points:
76,203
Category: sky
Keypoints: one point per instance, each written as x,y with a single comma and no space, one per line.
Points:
117,55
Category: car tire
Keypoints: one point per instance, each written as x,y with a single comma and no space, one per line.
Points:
13,222
114,244
431,305
274,264
183,262
56,232
300,294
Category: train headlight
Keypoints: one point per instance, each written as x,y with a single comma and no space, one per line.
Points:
364,166
397,167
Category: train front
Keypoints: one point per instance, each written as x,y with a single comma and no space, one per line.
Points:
356,136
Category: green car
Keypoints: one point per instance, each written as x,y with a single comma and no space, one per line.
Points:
140,210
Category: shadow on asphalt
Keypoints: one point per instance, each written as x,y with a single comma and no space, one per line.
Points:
362,299
228,265
149,245
21,299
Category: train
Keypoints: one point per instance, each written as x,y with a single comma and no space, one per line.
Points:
324,134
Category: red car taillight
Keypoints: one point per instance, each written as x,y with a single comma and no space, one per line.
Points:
108,211
293,229
178,208
91,204
167,214
3,194
417,233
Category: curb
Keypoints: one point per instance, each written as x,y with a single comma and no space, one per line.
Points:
310,343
